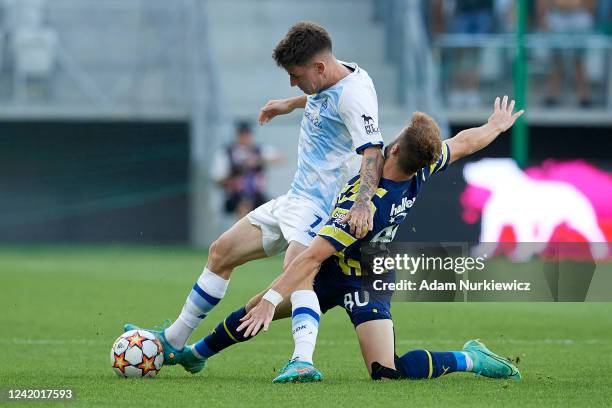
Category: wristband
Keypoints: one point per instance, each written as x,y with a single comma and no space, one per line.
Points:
273,297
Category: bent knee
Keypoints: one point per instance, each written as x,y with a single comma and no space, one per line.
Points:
221,254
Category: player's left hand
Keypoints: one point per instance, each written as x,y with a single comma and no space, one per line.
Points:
258,317
360,218
503,116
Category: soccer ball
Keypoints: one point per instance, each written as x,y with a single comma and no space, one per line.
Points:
137,353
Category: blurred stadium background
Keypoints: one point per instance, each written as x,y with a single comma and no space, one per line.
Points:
111,111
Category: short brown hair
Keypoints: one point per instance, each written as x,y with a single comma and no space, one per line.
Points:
419,143
302,42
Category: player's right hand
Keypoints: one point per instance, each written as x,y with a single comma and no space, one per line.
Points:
360,218
258,317
274,108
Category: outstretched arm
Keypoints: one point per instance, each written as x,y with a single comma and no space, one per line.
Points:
472,140
277,107
361,217
303,267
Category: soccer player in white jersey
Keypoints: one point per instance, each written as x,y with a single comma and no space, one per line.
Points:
340,120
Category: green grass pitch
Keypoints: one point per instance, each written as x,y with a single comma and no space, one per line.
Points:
62,308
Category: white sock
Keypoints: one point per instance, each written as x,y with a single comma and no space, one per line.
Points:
206,293
304,323
469,364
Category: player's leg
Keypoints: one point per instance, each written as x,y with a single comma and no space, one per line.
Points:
474,357
290,217
305,312
554,80
241,243
299,224
305,317
253,237
377,343
370,312
225,335
376,339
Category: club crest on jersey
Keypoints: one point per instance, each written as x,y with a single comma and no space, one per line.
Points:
368,123
406,203
323,105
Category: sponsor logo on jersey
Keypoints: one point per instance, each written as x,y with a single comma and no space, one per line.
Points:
405,204
398,219
369,125
338,217
314,118
314,114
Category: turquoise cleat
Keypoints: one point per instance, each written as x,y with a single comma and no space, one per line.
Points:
489,364
190,362
172,356
298,371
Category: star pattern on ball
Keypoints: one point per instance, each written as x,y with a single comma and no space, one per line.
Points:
148,364
136,340
160,348
120,363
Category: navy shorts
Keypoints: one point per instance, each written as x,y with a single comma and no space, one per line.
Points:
354,293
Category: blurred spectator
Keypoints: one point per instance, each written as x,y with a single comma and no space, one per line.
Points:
505,16
465,17
472,17
33,46
567,17
239,169
604,16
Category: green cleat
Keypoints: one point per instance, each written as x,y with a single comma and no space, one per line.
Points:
172,356
489,364
298,371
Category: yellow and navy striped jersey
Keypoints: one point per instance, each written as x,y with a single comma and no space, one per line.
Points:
391,203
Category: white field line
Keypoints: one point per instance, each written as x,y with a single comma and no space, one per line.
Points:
263,342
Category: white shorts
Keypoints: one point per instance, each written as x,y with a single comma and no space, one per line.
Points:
286,219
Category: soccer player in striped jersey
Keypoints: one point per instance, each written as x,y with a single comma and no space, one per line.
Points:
333,259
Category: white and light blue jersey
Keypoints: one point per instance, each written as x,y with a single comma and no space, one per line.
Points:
338,122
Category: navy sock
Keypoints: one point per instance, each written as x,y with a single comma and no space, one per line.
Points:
430,364
223,336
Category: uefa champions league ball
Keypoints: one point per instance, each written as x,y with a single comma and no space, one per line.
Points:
137,353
